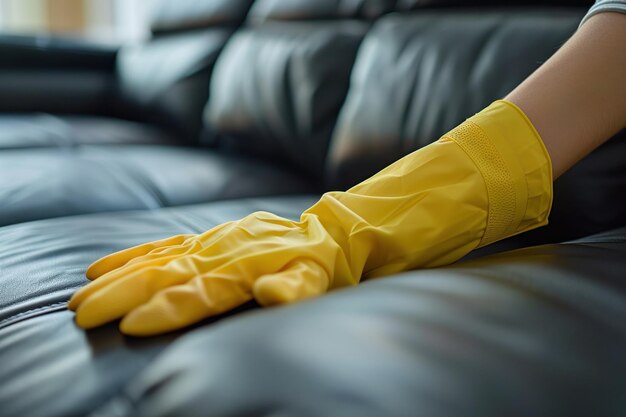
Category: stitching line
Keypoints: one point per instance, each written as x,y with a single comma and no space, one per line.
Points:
18,316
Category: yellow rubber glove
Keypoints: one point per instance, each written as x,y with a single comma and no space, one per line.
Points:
487,179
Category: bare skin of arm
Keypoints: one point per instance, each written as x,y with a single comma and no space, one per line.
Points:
577,99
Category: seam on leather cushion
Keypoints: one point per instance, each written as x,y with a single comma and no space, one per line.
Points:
49,308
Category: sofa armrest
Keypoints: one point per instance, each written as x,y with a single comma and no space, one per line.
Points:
55,75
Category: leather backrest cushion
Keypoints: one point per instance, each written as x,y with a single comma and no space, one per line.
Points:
416,4
179,15
263,10
166,80
318,9
417,75
277,88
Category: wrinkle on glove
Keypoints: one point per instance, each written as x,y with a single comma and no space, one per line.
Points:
487,179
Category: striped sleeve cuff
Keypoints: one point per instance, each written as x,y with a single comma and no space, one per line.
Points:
602,6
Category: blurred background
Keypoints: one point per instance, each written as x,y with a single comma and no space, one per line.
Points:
107,21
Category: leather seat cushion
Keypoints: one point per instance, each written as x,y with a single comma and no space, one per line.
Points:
41,183
51,368
530,332
28,130
535,332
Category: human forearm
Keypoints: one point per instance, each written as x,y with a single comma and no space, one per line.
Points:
577,99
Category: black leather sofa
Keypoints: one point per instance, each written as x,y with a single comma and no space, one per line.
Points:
235,106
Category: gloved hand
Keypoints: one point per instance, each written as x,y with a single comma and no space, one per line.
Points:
487,179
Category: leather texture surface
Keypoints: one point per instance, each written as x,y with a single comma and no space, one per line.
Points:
490,337
172,16
277,89
166,81
21,130
52,182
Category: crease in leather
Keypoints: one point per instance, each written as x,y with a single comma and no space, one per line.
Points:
140,176
126,175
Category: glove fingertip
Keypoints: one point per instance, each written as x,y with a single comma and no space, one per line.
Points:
85,320
73,303
78,297
94,271
301,280
137,324
268,291
130,328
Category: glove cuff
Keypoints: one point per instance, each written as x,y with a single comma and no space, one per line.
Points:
515,166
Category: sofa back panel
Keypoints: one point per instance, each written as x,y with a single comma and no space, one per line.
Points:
277,88
166,80
417,75
178,15
318,9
